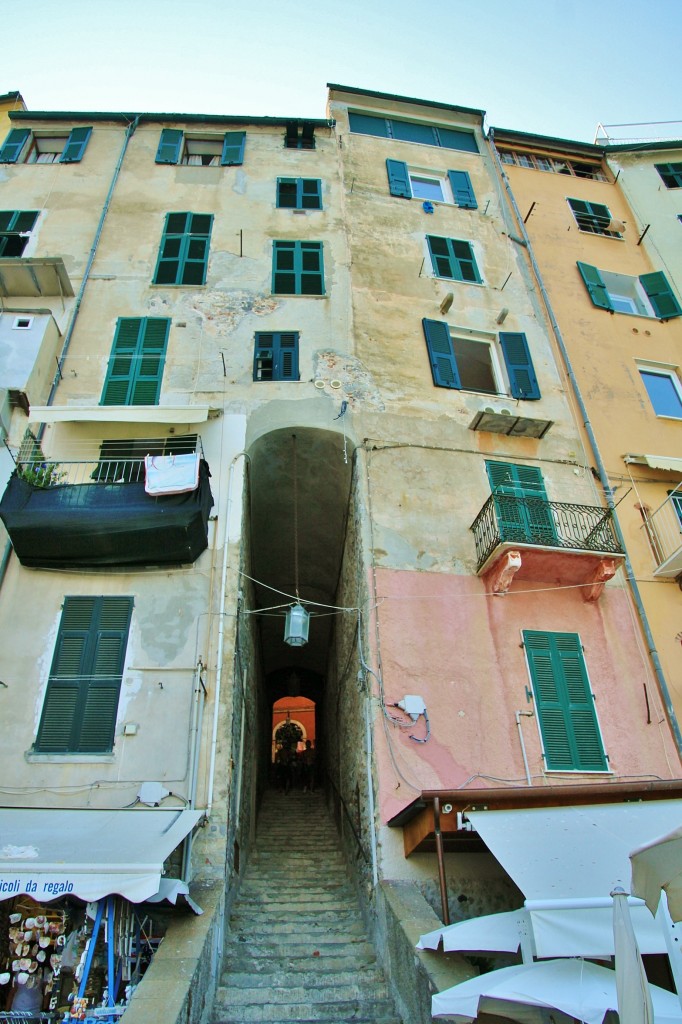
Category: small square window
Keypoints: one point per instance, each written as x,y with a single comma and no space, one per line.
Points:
664,391
671,174
202,152
22,323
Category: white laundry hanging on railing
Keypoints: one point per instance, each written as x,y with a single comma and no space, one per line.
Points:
171,474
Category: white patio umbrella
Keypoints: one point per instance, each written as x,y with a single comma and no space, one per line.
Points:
575,988
656,866
632,986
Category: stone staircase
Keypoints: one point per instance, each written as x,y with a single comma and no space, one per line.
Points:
297,949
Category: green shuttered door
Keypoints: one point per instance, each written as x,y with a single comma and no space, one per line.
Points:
564,703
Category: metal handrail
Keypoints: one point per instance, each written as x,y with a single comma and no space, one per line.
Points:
507,518
343,804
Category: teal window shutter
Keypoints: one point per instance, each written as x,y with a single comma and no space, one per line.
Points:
594,217
441,354
75,146
564,703
671,174
366,124
398,179
276,356
233,149
183,253
81,701
451,138
520,370
595,286
298,268
13,145
523,512
170,145
462,190
136,362
14,228
661,295
453,259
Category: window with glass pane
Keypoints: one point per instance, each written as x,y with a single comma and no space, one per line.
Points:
426,188
664,391
299,193
297,268
453,259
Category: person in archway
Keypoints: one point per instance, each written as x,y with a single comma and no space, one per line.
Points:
308,767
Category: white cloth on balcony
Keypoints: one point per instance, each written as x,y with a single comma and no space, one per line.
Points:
171,474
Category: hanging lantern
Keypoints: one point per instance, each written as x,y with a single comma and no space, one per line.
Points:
296,626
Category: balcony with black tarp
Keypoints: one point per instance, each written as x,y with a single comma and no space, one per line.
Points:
85,514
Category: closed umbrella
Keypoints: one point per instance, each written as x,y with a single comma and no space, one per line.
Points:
573,987
632,986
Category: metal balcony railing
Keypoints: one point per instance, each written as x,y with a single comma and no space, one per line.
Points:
663,528
537,522
116,462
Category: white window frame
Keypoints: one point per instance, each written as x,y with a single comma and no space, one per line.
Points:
496,363
192,147
46,144
436,176
22,323
622,289
662,370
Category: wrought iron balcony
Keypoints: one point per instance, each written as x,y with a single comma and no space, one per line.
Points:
95,511
537,523
663,528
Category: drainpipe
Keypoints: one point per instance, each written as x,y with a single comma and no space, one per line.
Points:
221,634
526,714
603,476
88,267
5,562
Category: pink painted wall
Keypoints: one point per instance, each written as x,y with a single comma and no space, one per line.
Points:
442,638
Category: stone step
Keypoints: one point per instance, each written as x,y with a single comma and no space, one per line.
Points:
357,1009
296,945
279,996
304,978
261,921
347,1019
329,960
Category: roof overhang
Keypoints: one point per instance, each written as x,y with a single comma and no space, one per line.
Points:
47,854
34,278
119,414
666,462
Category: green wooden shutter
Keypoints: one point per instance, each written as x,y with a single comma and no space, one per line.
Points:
298,268
464,260
233,149
136,362
564,703
462,190
13,145
441,259
75,146
522,379
170,145
595,286
523,513
398,179
79,711
441,354
671,174
310,193
661,295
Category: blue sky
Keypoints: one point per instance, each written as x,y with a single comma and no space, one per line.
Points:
554,67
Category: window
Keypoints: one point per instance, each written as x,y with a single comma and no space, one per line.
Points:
183,254
671,174
15,230
297,268
408,183
299,135
676,502
79,712
523,513
23,145
136,361
121,461
647,295
178,147
593,217
299,193
555,165
564,703
472,364
453,259
413,131
276,356
22,323
664,390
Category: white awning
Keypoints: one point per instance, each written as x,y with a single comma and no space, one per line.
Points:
500,933
51,853
667,462
119,414
567,861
